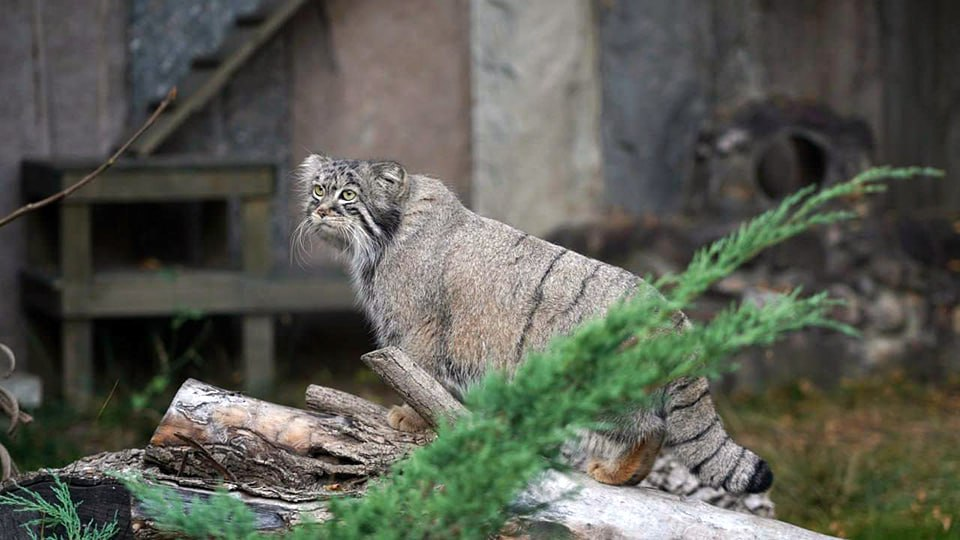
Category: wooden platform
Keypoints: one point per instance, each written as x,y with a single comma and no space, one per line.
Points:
60,278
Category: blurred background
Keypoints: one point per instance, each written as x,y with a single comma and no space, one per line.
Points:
632,131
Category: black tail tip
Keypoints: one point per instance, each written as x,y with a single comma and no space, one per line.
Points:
762,478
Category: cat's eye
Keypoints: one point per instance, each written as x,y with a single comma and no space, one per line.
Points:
318,191
348,194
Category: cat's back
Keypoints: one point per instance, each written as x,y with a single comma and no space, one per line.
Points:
463,293
510,291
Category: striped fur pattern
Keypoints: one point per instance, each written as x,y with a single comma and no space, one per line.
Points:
463,294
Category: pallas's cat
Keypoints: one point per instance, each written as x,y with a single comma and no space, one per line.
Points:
462,294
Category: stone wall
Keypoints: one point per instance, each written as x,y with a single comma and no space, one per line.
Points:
674,70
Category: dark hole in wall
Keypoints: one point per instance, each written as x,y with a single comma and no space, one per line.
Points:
789,163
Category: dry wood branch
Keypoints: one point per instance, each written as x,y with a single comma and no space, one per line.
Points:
417,387
329,400
171,95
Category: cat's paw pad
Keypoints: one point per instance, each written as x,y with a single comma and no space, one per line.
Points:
404,418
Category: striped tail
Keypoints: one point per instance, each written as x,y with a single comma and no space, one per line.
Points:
695,435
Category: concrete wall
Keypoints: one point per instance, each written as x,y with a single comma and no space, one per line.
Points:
536,111
656,97
62,78
384,79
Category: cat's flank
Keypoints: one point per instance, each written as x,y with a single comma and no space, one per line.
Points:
462,294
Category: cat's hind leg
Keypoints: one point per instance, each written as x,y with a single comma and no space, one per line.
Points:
629,466
625,454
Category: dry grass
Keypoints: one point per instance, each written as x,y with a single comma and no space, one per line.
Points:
872,459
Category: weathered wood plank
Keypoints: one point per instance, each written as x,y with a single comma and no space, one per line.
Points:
77,371
121,294
76,244
256,235
150,181
259,372
258,358
149,185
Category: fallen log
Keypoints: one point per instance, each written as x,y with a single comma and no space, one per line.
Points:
271,450
285,463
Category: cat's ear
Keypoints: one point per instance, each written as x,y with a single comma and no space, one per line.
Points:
390,175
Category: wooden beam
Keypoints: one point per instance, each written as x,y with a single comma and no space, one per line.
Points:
147,185
76,339
156,180
259,371
133,294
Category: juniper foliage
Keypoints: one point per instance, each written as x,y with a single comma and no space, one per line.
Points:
62,513
462,485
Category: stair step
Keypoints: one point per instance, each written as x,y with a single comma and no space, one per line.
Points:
209,73
259,15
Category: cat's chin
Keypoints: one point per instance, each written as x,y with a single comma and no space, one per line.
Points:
331,237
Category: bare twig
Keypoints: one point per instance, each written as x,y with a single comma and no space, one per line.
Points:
11,407
11,361
171,95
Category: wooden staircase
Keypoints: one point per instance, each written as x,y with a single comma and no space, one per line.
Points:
209,73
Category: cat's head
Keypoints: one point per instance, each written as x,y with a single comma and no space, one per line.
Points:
355,205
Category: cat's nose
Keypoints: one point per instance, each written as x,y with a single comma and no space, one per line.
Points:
323,211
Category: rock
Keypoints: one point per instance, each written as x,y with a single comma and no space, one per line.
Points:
866,285
887,313
887,271
880,352
28,389
852,312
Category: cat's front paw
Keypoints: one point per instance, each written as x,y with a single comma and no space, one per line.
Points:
404,418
